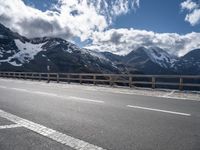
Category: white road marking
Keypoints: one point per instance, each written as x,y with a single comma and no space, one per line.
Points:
168,94
158,95
85,99
115,90
18,89
55,95
3,87
10,126
44,93
59,137
180,98
159,110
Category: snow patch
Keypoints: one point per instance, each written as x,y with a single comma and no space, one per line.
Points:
160,57
27,52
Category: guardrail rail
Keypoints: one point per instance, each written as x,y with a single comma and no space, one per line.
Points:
153,81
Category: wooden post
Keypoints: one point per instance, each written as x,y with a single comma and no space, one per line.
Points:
48,78
130,81
153,82
57,77
111,80
68,78
181,83
25,76
40,77
80,79
94,79
32,76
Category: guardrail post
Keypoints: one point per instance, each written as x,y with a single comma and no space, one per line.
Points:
130,81
57,77
48,78
94,79
80,79
68,78
181,83
111,80
25,76
32,76
153,82
40,77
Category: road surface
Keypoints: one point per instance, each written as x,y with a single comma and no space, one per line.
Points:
37,115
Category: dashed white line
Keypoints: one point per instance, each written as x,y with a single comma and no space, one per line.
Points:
59,137
10,126
159,110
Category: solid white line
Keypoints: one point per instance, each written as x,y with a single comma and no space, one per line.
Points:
3,87
21,90
159,110
55,95
179,98
106,89
44,93
59,137
85,99
10,126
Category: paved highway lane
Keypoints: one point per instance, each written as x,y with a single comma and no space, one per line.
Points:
101,117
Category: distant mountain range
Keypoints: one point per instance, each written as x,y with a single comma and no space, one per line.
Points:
18,53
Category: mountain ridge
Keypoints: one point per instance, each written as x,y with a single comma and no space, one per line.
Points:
18,53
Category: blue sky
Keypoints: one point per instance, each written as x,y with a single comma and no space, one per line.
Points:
117,26
158,16
154,15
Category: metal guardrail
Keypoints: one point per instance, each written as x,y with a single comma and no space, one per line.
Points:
152,81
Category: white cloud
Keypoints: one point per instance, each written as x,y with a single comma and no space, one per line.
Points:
91,19
122,41
189,5
193,15
66,19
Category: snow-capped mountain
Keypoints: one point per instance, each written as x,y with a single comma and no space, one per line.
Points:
18,53
155,60
149,60
161,57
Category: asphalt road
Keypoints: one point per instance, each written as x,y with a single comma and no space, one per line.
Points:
95,118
